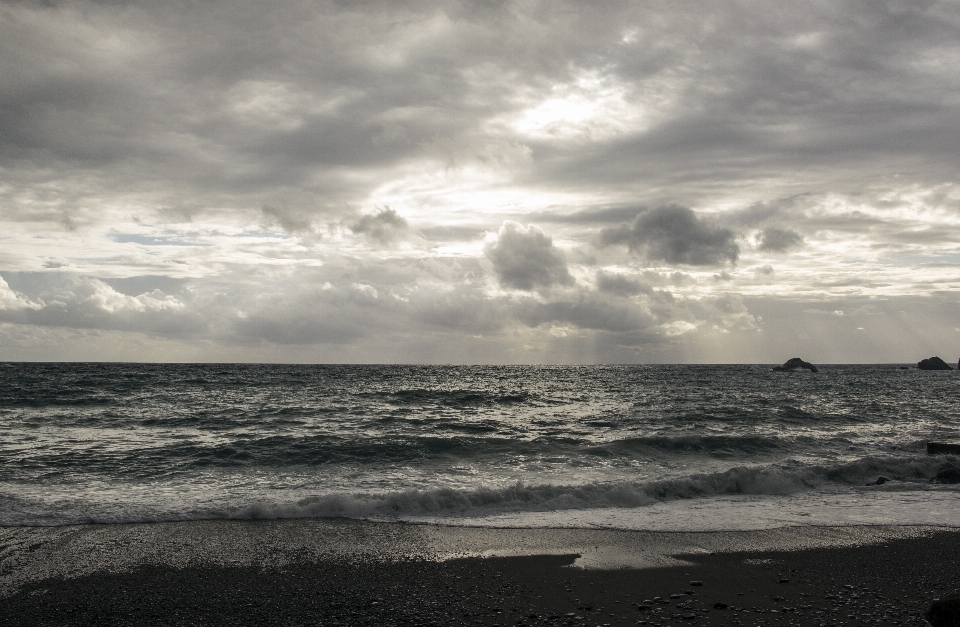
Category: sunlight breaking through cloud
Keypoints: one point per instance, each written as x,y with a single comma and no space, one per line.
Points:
564,183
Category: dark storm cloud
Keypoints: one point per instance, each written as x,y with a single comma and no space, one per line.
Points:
778,240
525,258
676,235
382,227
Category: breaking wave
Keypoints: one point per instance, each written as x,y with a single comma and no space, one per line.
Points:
747,480
909,473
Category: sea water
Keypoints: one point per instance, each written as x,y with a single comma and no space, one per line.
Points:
665,447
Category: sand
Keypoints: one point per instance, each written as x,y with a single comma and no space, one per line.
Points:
348,573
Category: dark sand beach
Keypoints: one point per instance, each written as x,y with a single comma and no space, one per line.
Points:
102,575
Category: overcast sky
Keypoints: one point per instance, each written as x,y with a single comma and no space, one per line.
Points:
474,182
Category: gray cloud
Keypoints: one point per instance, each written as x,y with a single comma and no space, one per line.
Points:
589,216
335,315
676,235
621,285
588,312
130,126
83,302
760,212
778,240
451,233
524,258
727,312
289,219
383,227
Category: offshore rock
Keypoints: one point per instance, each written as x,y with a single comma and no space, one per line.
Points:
949,474
796,362
933,363
945,612
934,448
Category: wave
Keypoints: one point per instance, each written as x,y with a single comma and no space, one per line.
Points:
449,398
744,480
693,444
460,439
909,473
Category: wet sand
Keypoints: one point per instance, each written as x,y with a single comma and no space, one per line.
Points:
267,574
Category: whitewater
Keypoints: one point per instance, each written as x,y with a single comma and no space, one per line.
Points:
663,448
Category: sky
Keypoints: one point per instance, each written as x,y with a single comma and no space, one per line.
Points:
480,182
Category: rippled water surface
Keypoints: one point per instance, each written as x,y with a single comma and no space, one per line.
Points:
125,442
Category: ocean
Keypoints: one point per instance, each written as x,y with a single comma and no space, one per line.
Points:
662,447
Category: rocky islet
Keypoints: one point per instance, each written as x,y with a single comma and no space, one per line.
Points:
933,363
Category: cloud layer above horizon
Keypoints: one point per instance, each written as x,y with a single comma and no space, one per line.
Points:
479,181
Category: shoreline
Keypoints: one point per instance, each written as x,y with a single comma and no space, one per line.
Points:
358,573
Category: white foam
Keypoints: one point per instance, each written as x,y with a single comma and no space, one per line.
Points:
745,497
742,513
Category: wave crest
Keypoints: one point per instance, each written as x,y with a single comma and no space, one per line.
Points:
747,480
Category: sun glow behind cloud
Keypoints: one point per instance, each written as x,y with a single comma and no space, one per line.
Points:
592,107
430,182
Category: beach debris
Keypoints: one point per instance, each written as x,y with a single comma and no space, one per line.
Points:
933,363
949,474
944,612
793,364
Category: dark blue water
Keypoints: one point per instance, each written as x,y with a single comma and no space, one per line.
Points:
130,442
